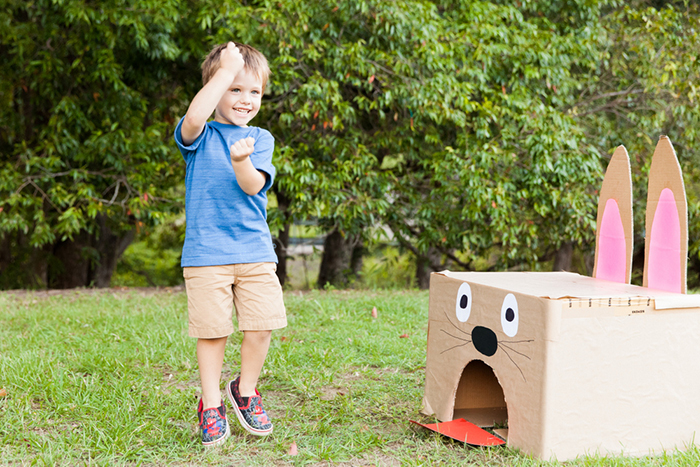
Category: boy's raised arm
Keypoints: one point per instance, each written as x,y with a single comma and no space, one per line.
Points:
250,179
205,102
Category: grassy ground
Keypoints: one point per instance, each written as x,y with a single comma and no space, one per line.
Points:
109,378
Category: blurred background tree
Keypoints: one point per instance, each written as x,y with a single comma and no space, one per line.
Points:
472,134
88,91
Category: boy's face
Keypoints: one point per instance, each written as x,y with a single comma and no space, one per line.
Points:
242,101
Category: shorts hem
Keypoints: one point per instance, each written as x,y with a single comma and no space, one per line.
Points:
263,325
210,333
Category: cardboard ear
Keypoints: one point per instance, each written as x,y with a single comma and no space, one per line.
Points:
613,238
666,242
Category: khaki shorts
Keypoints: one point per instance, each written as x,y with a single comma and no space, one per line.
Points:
213,290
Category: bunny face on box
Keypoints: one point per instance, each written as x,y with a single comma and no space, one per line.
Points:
576,365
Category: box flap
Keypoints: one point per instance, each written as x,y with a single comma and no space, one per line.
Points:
564,285
465,432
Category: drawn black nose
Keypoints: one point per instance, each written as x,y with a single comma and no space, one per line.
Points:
485,340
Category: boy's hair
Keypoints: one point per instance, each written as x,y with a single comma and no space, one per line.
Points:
253,59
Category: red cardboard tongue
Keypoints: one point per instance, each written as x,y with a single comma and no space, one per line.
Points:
464,431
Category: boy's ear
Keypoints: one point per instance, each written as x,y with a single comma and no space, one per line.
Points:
613,238
666,242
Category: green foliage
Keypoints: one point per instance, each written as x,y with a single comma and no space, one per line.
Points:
447,122
81,132
388,268
154,259
645,87
466,127
88,92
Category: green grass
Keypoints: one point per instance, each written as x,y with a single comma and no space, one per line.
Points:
109,378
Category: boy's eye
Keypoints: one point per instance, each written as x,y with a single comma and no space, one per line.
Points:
235,90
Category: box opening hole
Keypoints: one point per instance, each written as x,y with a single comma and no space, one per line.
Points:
479,398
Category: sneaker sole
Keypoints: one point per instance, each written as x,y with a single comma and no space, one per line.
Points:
241,418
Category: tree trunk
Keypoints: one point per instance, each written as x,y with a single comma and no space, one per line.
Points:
426,264
22,266
89,260
71,265
563,257
281,242
109,246
336,261
356,258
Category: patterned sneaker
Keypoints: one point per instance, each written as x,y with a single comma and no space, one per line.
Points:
213,424
249,410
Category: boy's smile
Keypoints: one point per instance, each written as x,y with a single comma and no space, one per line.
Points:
241,102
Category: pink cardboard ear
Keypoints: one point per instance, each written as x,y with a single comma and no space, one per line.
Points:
613,253
666,242
612,260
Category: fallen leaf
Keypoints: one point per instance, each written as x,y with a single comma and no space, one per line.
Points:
3,393
293,449
283,338
374,312
403,336
371,78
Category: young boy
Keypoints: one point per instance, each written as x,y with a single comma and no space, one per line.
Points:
228,257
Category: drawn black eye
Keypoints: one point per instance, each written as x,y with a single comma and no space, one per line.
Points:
509,315
464,302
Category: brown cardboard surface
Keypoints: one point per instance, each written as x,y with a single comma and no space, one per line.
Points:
665,172
519,364
617,185
484,418
624,385
616,376
566,285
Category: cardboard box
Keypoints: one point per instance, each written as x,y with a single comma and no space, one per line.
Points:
576,365
586,366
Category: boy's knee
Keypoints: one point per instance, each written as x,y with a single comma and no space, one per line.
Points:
257,336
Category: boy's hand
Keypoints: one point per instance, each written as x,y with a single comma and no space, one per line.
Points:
242,149
231,59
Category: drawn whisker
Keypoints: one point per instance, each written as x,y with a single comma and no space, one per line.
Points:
455,337
455,326
455,346
510,348
519,342
516,365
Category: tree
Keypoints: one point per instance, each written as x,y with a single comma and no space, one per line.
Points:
88,93
645,87
466,127
476,131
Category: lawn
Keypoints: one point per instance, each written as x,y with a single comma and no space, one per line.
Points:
109,377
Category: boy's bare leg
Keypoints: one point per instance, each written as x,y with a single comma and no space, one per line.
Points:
253,352
210,356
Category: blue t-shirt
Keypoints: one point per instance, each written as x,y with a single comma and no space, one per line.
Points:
224,224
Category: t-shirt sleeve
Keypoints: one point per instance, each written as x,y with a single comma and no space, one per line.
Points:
262,157
188,151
